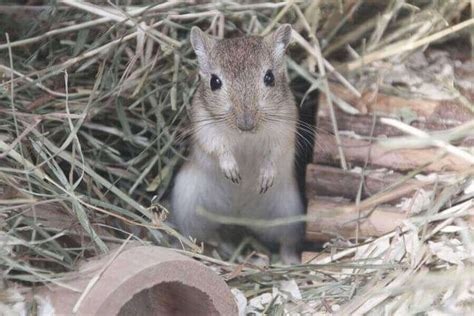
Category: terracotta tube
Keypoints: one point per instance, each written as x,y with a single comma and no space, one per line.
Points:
144,280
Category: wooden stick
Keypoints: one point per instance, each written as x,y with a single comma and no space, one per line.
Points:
331,181
362,125
436,142
432,112
357,151
350,222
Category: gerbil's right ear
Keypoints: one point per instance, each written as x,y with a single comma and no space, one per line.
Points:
202,45
279,41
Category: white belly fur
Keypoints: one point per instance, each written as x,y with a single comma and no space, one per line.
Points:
244,198
201,184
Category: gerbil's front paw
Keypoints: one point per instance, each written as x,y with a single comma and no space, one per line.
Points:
267,176
230,169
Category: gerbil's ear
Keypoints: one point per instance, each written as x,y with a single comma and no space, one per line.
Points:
279,41
202,45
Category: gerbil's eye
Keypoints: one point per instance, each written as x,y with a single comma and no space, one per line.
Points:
216,83
269,79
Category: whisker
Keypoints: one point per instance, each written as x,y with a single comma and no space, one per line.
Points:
302,127
301,137
195,128
299,148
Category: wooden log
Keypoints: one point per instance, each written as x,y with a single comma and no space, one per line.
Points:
428,115
358,151
438,112
331,181
370,125
332,218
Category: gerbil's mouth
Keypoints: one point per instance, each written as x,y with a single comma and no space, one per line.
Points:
247,121
247,129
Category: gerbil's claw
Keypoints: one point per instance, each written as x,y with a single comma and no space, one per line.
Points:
238,179
231,170
235,178
233,175
266,180
264,188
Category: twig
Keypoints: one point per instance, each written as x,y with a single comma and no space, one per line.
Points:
421,134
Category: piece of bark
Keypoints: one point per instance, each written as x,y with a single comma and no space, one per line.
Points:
331,218
331,181
357,151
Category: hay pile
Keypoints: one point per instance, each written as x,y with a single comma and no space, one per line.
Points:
93,103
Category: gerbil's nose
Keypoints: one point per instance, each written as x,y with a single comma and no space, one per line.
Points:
246,122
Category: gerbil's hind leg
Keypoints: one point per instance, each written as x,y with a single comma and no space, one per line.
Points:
186,199
284,203
289,253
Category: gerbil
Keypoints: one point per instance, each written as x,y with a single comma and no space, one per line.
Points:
243,118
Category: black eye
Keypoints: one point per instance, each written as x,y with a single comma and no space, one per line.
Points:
216,83
269,79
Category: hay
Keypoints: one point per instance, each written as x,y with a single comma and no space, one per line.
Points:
93,102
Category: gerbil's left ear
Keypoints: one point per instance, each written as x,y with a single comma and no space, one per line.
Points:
279,41
202,45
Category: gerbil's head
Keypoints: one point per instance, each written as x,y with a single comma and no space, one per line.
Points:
243,80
